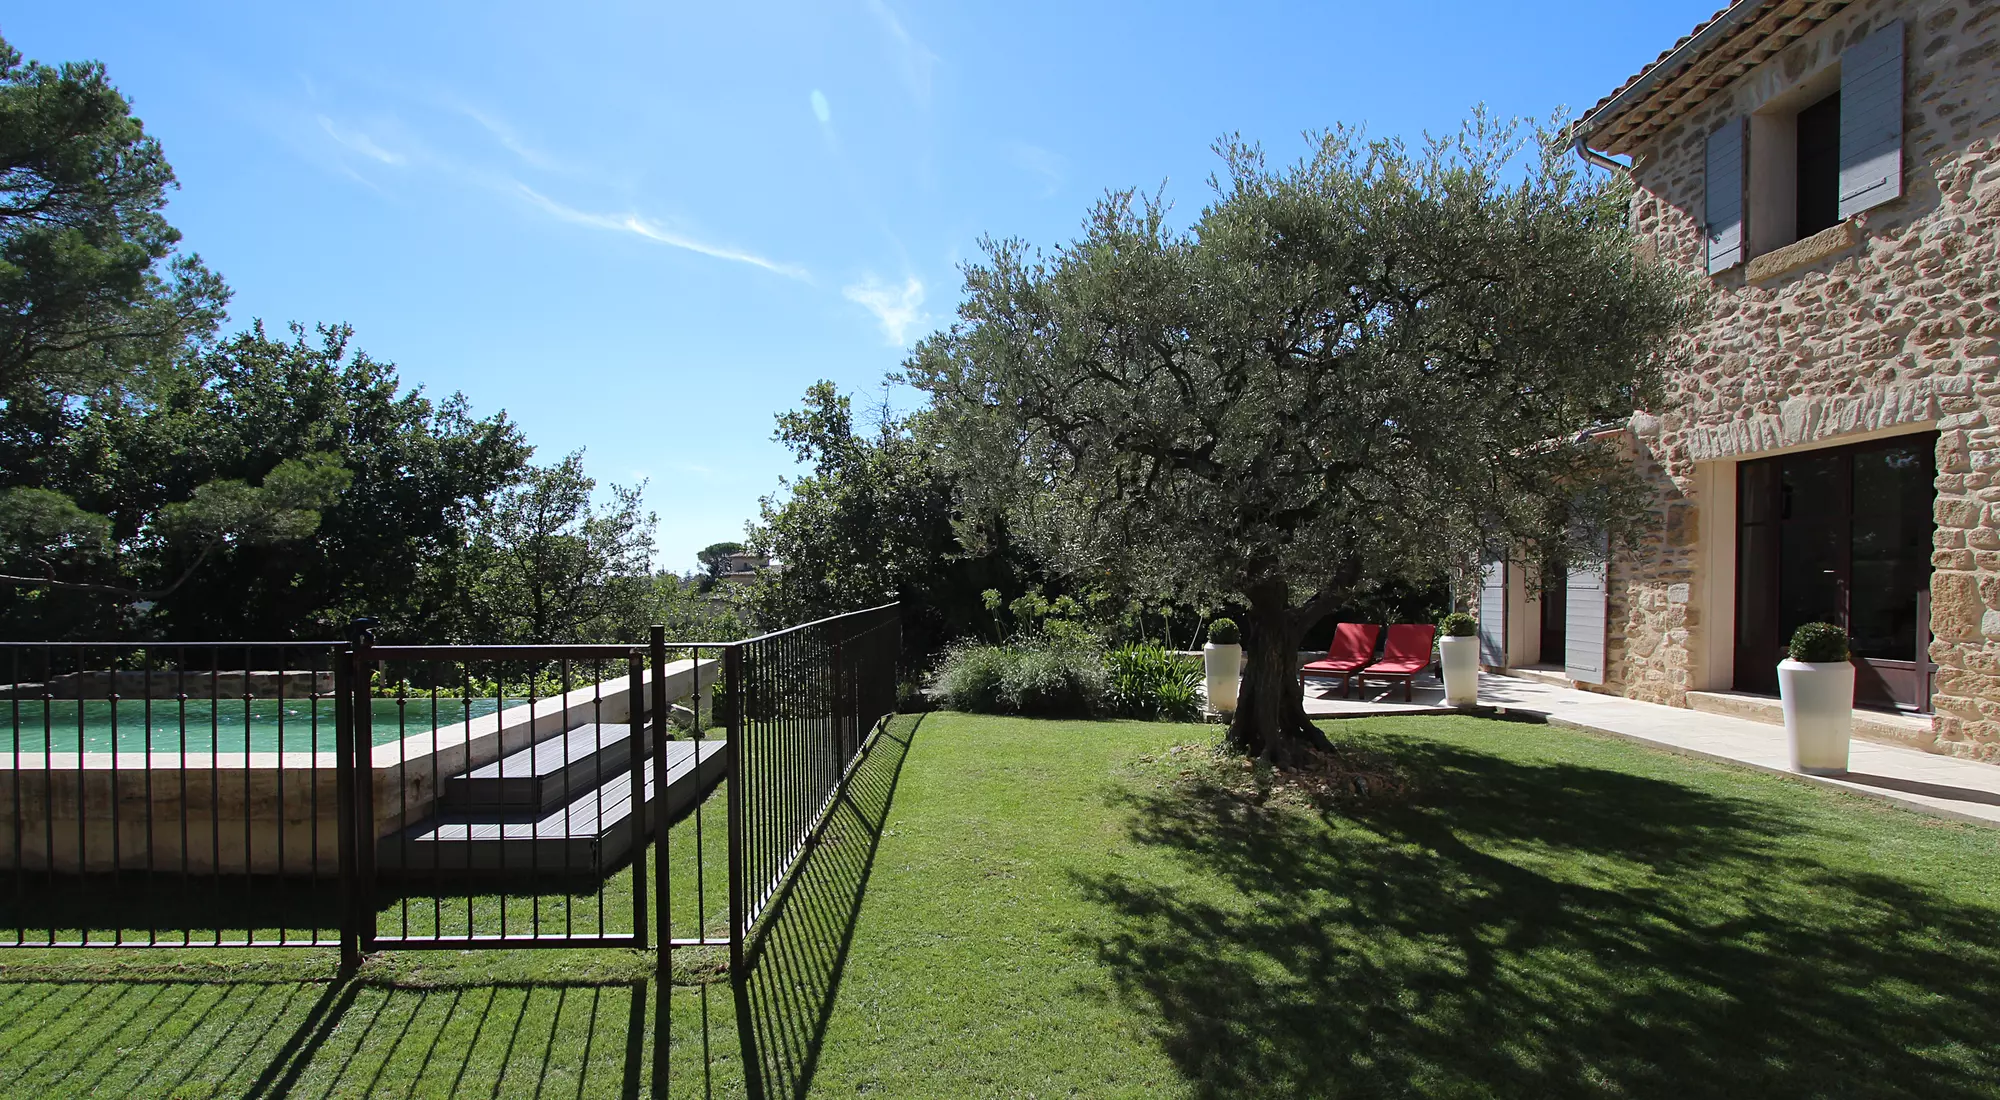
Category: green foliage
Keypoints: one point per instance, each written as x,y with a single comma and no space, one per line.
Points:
691,613
1458,624
1224,632
872,521
287,506
1064,670
84,298
714,554
155,482
210,469
1819,643
1350,371
969,676
556,567
40,525
1051,674
1146,680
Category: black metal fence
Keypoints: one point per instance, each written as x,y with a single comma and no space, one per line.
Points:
381,796
178,795
518,788
811,696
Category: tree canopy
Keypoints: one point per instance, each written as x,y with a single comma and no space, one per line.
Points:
872,521
193,489
715,554
156,481
554,566
1361,366
90,281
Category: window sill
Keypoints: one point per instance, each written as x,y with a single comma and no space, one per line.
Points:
1822,245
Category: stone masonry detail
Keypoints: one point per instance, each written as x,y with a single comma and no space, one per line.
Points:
1900,328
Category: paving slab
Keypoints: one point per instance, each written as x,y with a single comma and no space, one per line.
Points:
1946,786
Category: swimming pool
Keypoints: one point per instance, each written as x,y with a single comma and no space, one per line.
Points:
202,725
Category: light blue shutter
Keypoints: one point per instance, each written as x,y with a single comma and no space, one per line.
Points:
1493,614
1722,201
1871,121
1584,622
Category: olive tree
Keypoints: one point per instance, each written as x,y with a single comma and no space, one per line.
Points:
1359,367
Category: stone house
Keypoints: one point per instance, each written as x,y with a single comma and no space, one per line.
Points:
1829,447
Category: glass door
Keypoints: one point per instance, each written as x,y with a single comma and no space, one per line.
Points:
1841,535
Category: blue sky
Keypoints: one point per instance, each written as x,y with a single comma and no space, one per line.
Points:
644,229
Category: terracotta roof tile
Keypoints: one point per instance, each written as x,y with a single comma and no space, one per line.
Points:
1664,54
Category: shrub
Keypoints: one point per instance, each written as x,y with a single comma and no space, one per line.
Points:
1149,681
1223,632
1053,674
969,677
1180,700
1819,643
1458,625
1053,678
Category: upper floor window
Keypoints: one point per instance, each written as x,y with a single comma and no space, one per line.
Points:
1817,192
1808,159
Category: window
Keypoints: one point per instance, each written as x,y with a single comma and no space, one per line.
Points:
1818,167
1822,151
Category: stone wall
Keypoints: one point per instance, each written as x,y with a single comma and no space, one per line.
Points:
1892,321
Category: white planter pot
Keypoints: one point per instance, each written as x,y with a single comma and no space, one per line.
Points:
1461,670
1222,665
1819,713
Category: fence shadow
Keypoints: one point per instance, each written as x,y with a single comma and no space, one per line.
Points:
794,969
1540,930
273,1038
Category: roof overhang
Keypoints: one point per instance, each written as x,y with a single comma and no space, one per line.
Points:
1731,43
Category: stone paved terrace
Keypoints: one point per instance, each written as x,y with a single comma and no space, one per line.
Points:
1945,786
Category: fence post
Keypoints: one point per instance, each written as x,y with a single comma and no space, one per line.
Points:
636,722
343,786
663,930
739,976
362,789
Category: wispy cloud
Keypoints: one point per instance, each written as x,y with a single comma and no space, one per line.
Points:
1034,159
821,110
355,141
653,231
361,153
916,59
897,309
510,139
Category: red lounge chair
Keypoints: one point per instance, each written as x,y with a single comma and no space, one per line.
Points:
1407,652
1353,647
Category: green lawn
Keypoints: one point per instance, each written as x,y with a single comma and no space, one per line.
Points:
1021,908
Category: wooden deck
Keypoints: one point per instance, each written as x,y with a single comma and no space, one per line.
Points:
511,815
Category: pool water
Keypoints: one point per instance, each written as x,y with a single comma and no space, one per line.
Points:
199,725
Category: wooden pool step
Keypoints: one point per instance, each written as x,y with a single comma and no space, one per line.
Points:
544,775
588,835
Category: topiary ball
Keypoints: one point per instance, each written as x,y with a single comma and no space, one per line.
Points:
1819,644
1223,632
1458,625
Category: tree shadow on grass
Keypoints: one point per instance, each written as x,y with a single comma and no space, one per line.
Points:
1541,930
795,964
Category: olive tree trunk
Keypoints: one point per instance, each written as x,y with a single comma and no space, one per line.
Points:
1270,719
